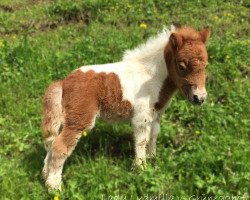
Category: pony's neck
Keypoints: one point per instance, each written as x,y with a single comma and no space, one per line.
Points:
167,91
168,88
152,56
155,63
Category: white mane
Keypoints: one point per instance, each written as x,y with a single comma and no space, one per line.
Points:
151,48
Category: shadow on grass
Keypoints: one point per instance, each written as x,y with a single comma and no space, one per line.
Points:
105,142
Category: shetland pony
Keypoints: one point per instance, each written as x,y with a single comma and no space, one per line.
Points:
138,88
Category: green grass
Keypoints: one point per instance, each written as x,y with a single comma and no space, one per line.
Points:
202,151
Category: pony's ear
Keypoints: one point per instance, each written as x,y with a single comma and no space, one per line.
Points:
176,41
205,34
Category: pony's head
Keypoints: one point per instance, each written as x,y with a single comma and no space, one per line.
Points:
186,59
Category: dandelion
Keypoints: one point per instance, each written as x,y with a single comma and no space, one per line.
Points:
84,133
197,132
229,15
14,37
56,198
1,44
227,57
216,17
143,25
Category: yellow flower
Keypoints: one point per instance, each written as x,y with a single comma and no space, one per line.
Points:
143,25
84,133
229,15
56,198
14,37
1,44
197,132
227,57
216,17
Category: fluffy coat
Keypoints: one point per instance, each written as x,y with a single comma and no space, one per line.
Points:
138,89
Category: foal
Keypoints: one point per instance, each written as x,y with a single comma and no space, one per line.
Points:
138,89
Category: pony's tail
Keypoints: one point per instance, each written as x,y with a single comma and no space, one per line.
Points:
52,115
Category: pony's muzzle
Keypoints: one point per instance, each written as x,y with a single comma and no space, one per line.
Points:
198,100
198,96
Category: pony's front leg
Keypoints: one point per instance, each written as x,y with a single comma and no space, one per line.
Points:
141,139
155,129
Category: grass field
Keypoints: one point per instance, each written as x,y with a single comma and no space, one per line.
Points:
202,151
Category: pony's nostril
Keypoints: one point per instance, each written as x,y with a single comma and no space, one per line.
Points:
196,99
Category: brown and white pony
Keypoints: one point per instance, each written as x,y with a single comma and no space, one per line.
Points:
138,89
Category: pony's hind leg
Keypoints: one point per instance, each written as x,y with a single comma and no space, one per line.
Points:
61,149
52,119
47,159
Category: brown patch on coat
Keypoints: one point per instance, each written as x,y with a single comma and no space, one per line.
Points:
75,102
186,58
87,93
110,98
166,92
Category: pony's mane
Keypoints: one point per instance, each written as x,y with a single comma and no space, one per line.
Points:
151,48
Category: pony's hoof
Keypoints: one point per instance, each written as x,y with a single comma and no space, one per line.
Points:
53,183
138,166
53,187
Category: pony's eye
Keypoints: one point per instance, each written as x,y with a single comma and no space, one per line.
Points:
182,66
